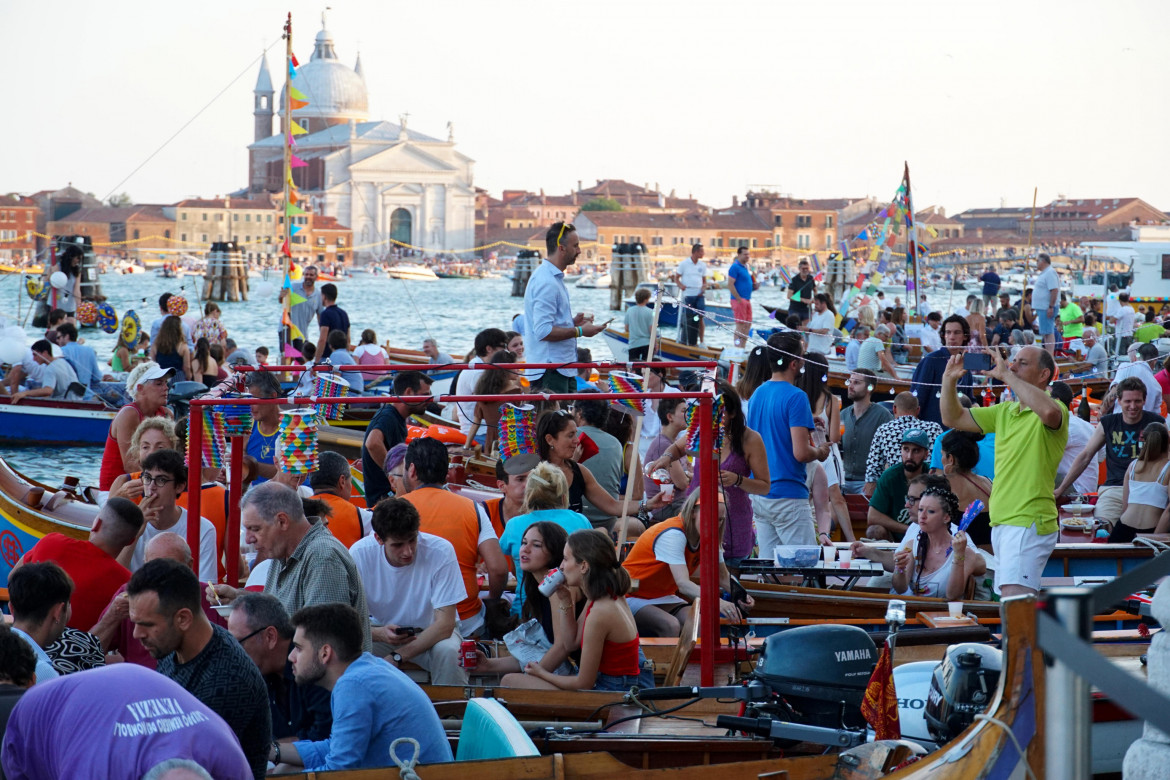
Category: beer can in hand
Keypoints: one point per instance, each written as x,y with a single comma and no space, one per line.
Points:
553,580
467,657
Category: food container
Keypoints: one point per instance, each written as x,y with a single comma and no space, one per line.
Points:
802,556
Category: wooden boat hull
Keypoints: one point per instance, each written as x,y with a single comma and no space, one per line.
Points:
619,341
23,525
55,423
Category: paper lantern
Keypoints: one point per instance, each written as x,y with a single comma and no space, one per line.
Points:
329,386
516,430
130,327
237,419
694,424
87,312
177,305
214,439
296,444
622,382
107,318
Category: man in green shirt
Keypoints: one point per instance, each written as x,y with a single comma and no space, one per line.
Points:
887,516
1072,319
1030,437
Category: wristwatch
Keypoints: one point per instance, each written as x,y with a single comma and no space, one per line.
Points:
397,657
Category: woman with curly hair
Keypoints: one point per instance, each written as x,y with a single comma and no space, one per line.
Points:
935,562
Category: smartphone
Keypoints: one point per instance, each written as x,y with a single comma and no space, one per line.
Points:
408,630
976,361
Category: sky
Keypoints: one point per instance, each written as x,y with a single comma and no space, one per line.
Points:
985,100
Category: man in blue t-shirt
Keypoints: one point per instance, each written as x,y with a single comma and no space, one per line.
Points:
260,452
991,282
740,284
332,318
780,412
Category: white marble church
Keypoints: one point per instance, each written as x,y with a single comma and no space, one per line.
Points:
383,180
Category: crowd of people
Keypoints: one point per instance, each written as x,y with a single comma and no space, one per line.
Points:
351,596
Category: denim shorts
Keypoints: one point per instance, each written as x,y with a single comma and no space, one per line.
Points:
1046,324
623,682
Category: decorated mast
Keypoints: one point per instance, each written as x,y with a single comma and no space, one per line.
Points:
293,99
912,249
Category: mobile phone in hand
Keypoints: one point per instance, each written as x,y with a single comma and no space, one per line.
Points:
976,361
408,630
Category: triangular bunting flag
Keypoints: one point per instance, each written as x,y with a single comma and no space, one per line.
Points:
863,235
284,249
297,162
932,231
293,57
296,94
295,104
291,352
295,332
297,129
292,74
293,197
285,319
292,210
294,299
287,282
294,229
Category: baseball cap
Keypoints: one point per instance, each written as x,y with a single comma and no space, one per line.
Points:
521,463
155,372
917,437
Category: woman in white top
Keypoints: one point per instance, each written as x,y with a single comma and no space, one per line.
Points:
935,562
1145,494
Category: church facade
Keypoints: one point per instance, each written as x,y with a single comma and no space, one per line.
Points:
395,187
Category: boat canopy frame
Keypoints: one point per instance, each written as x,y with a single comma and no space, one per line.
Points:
710,650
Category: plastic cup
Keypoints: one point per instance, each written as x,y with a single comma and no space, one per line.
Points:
846,556
830,553
668,491
955,609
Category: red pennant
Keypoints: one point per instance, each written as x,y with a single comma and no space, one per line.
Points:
284,250
294,61
880,706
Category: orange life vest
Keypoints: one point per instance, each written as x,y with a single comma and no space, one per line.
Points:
654,577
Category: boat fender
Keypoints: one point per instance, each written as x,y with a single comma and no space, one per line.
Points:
414,432
444,434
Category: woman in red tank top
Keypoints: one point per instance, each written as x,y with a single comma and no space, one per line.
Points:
610,656
147,385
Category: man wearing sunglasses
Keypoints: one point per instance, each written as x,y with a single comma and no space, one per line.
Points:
164,478
551,329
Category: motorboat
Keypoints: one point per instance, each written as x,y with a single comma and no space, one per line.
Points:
412,271
600,281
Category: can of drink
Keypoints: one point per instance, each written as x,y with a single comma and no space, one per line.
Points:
467,657
553,580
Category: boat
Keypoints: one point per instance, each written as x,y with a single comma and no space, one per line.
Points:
38,422
412,271
599,281
28,512
668,309
667,349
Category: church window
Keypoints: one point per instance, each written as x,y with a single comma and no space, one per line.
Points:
263,102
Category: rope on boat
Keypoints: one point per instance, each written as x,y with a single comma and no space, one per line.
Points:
1008,730
406,768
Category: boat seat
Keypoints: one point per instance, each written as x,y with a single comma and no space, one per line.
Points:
490,731
33,496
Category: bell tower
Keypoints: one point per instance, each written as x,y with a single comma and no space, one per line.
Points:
263,110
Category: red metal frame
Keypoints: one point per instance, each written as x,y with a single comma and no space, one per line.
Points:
709,541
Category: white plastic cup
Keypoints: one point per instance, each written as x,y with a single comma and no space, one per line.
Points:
846,555
830,553
668,490
955,609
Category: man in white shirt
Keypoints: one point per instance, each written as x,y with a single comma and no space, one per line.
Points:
412,586
487,343
930,337
691,278
1141,364
57,377
551,329
39,595
1122,320
1044,295
164,477
821,326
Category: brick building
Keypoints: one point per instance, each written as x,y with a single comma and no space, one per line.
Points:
672,235
146,226
18,223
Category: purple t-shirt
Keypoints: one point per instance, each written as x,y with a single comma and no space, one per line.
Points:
115,721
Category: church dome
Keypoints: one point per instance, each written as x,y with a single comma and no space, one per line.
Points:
336,92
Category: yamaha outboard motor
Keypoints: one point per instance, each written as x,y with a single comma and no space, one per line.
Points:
818,674
962,687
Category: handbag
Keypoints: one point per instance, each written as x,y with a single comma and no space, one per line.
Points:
527,643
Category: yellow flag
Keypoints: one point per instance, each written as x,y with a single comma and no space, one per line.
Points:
932,231
297,129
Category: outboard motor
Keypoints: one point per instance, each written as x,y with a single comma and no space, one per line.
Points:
181,393
818,675
962,687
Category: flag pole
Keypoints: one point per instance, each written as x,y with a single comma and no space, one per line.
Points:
912,253
286,246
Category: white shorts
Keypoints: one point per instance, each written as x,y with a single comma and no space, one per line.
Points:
1021,555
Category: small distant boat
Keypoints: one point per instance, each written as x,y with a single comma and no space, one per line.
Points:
596,281
449,275
412,271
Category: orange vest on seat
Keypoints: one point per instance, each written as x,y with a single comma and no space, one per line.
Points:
654,577
455,519
213,506
345,524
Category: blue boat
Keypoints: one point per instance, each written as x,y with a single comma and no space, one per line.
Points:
668,313
35,422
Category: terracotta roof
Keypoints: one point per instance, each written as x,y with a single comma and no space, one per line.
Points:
108,214
726,219
321,222
218,203
13,200
614,188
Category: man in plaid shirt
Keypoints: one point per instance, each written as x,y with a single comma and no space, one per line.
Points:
886,449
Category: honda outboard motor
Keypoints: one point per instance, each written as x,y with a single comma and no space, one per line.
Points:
962,687
818,674
181,394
